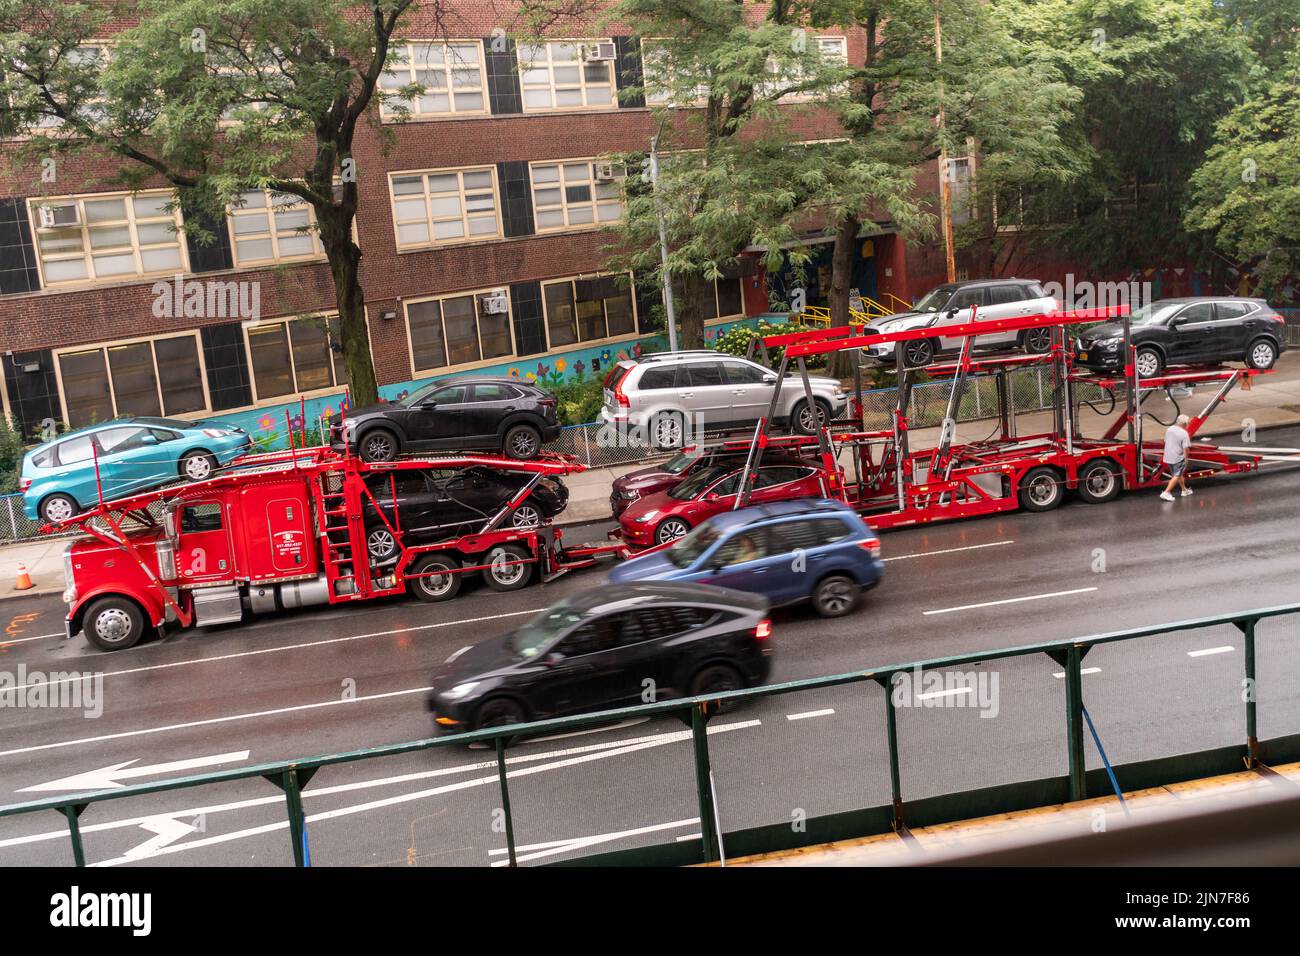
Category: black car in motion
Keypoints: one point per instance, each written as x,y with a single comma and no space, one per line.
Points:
435,504
1192,331
597,650
467,413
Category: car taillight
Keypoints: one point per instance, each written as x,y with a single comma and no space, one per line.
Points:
763,630
620,397
24,484
871,546
1276,318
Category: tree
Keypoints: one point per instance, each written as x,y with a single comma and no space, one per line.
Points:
1246,194
216,97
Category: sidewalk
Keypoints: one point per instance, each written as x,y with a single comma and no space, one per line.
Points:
1274,400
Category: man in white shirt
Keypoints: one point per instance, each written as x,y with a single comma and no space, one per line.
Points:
1176,442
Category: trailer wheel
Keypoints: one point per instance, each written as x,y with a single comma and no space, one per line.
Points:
113,623
1041,489
509,568
433,577
1099,482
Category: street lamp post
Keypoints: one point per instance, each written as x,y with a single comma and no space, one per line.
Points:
663,245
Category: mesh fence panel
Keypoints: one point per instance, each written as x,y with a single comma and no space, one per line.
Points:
1277,677
1011,713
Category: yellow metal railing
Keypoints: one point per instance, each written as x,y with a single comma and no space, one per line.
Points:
817,316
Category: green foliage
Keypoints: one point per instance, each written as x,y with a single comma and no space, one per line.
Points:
736,341
11,455
578,400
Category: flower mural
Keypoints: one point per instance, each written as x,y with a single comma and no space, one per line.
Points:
266,422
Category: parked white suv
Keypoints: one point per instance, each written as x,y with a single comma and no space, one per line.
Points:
669,394
951,304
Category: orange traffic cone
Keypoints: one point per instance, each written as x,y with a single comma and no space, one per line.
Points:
24,579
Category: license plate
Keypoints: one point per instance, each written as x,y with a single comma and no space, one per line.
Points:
1083,356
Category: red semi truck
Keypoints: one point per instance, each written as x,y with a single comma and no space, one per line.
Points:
284,531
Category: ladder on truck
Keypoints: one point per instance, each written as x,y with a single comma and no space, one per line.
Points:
334,531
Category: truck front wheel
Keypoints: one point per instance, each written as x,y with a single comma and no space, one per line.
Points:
113,623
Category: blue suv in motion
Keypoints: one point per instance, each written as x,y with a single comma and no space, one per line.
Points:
816,550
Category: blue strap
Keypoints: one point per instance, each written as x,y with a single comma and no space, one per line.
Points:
1101,750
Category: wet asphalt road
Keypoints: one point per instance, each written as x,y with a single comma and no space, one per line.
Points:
334,679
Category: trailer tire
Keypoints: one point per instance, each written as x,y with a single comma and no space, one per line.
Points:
805,422
113,623
1041,489
378,444
444,587
522,442
835,595
1261,353
508,576
198,466
1099,481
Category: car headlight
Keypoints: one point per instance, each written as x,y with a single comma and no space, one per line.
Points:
461,690
647,517
1109,345
349,423
629,495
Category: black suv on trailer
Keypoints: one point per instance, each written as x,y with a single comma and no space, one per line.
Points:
1193,331
461,414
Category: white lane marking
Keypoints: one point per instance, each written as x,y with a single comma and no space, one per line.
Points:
23,640
288,647
1017,600
315,792
589,730
689,836
951,692
106,778
211,720
926,554
811,713
490,779
1207,651
1060,675
1255,449
555,847
1278,457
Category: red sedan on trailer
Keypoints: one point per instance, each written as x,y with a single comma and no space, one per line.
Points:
668,515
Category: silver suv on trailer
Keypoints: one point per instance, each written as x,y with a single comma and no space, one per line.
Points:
669,393
952,304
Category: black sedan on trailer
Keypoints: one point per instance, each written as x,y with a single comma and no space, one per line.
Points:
607,648
465,414
436,504
1193,331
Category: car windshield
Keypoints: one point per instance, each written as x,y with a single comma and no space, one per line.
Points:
1154,314
683,460
694,486
529,640
687,550
935,299
420,394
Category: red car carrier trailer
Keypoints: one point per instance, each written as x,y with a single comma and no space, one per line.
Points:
893,485
287,530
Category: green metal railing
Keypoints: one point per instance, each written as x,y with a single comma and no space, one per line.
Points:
292,777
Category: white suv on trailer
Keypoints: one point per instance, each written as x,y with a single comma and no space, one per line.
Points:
668,394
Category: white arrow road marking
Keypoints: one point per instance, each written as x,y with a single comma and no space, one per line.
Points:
536,851
167,830
1028,597
107,778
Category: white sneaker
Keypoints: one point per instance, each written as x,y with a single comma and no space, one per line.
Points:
1186,492
1166,496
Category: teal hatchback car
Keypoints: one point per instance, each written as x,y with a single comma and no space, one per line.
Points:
135,454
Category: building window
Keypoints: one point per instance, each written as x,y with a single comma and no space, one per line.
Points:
660,82
587,310
567,75
299,355
105,236
721,298
566,195
269,227
451,74
961,189
444,206
834,50
150,377
459,329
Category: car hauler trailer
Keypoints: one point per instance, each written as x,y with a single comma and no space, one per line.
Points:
894,485
287,530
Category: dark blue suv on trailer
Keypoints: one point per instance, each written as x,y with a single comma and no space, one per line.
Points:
816,550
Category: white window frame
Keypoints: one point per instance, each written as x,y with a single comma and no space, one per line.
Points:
431,220
103,347
824,43
549,45
87,254
406,72
564,205
273,202
649,48
580,342
288,321
477,363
